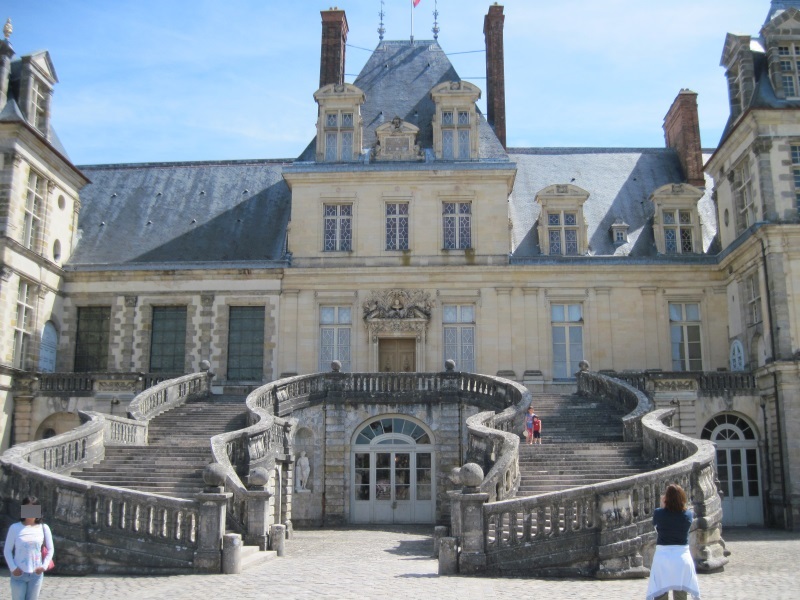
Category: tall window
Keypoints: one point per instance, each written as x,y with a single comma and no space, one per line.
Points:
457,224
678,231
684,322
34,207
562,232
339,128
796,175
743,197
246,343
39,105
567,329
92,339
335,327
397,226
168,339
338,227
24,322
789,56
753,297
459,335
455,134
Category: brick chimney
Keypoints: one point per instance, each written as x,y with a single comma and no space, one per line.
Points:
682,132
495,72
334,38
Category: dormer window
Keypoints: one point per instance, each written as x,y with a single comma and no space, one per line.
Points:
338,136
455,124
789,55
339,129
562,230
676,226
39,96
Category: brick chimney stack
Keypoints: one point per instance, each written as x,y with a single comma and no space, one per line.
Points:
495,72
334,38
682,132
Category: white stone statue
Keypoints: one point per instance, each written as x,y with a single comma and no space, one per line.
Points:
302,470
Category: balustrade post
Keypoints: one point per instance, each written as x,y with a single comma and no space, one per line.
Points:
211,520
467,519
708,547
257,507
619,545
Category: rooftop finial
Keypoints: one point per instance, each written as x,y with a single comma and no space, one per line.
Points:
8,29
435,29
381,28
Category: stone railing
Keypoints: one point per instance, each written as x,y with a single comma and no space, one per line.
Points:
87,384
169,394
102,529
704,383
621,395
248,455
602,530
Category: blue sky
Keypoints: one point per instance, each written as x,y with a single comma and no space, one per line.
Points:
182,80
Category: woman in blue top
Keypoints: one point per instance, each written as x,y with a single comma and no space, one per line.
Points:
673,565
23,551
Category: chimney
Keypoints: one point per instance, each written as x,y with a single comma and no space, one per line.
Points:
334,38
495,73
682,132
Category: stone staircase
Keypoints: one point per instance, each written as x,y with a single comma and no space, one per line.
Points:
582,445
172,463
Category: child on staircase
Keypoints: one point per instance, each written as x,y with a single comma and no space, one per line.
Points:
537,430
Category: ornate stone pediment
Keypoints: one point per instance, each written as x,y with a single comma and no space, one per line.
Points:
398,304
397,140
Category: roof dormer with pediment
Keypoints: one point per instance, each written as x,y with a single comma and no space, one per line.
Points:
339,122
32,80
781,38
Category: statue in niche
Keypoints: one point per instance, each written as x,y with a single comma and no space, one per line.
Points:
302,471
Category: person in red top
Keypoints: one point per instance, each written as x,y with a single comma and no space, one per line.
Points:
537,430
529,424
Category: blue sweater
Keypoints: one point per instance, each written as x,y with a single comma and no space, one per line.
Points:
672,527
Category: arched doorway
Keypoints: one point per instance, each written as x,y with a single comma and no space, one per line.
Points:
738,469
392,465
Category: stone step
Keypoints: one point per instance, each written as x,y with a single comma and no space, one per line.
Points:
252,556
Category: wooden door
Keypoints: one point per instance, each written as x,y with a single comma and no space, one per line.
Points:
397,355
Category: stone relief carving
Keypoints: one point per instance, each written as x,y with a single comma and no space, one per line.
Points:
675,386
398,304
397,140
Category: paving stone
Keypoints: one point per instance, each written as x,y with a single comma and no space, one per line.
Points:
396,563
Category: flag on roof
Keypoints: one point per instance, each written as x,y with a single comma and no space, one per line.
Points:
415,2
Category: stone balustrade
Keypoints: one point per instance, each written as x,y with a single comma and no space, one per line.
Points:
711,383
103,529
602,530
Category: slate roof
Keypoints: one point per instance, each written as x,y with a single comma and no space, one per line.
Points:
183,213
397,81
619,181
778,6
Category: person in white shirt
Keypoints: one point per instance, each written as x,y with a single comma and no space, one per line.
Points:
23,551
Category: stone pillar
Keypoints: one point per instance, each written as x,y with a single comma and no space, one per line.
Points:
650,328
206,324
23,418
334,40
128,334
213,502
495,71
466,520
504,345
618,542
439,532
278,539
448,556
257,507
604,346
287,357
232,554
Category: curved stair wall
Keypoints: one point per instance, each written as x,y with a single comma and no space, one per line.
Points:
106,529
603,530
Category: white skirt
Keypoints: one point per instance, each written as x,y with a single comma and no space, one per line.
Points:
672,569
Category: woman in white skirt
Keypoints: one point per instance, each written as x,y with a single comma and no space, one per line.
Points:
673,565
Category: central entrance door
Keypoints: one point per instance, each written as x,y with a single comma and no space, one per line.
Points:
393,473
397,355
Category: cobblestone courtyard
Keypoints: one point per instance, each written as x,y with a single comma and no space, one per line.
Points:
373,564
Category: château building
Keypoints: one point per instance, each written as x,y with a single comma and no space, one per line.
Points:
407,233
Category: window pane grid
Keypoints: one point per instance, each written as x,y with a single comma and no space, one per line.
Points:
685,336
335,322
457,225
246,343
459,335
168,339
92,339
397,226
337,228
567,338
